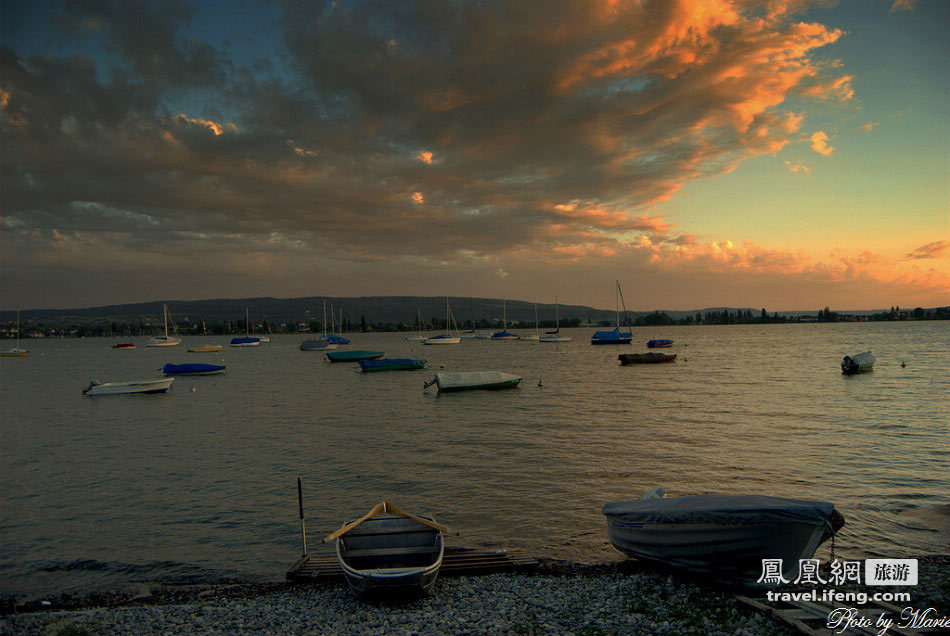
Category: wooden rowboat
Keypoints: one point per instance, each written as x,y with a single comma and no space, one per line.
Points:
206,348
389,550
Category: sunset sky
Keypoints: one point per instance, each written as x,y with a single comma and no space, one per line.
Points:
787,154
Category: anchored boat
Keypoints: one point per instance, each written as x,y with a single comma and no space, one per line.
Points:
859,363
192,368
728,535
614,336
389,550
391,364
134,386
645,358
653,344
469,380
354,355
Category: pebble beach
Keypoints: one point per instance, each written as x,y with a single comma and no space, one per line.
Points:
557,599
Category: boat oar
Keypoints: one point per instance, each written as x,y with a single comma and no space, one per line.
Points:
426,522
378,508
303,524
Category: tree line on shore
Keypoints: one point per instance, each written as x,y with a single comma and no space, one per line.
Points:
239,326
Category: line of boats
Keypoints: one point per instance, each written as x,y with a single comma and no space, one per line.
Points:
730,537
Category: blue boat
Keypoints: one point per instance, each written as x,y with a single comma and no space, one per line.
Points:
614,336
391,364
192,368
337,340
245,341
653,344
354,355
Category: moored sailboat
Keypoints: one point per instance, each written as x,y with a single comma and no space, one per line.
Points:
165,340
555,336
614,336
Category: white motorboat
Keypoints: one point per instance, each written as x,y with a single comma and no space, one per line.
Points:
133,386
470,380
728,535
858,363
388,550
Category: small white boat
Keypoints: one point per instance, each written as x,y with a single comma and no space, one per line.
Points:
473,380
728,535
16,351
134,386
859,363
389,550
205,348
166,340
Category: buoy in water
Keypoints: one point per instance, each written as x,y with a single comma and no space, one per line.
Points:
902,364
194,389
540,383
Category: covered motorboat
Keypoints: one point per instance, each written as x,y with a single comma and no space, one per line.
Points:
354,355
614,336
473,380
390,550
391,364
859,363
317,344
193,368
645,358
245,341
728,535
653,344
133,386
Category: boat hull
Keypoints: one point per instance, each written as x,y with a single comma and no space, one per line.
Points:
163,341
390,555
645,358
442,340
125,346
205,349
391,364
15,353
858,363
193,369
245,341
134,386
474,381
354,356
726,535
656,344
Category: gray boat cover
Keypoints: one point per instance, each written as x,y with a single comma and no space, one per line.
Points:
715,508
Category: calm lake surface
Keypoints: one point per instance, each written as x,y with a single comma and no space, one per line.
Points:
199,484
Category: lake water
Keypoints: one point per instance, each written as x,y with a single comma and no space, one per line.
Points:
199,484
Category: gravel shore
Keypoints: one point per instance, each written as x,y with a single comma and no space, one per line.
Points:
559,599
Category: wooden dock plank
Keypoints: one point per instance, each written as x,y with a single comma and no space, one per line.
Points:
454,563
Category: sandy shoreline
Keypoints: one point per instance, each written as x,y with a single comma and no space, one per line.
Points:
559,598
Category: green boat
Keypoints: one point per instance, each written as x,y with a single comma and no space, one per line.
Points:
354,355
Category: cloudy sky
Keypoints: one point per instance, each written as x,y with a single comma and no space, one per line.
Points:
787,154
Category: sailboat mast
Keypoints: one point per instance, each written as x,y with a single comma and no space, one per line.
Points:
165,316
617,304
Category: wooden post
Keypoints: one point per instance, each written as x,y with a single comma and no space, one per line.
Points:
303,523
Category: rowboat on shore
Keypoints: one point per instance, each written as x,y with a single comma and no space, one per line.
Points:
353,355
645,358
726,535
133,386
473,380
389,550
859,363
391,364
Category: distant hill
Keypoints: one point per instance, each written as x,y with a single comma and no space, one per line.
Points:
374,309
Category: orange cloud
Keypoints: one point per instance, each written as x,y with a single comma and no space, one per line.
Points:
216,128
930,250
417,198
796,167
425,157
868,127
819,143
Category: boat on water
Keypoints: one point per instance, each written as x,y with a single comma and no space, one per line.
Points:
858,363
473,380
193,368
123,345
246,340
504,334
536,336
205,348
323,343
165,340
726,535
614,336
391,364
132,386
420,335
654,344
445,338
16,351
555,336
353,355
389,550
645,358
